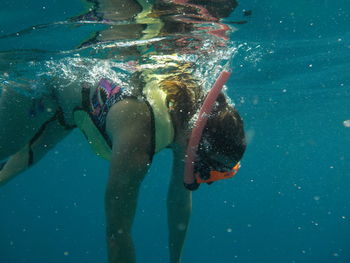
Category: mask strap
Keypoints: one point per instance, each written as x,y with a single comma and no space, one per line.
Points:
191,152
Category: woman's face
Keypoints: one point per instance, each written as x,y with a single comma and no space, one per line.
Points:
222,159
213,162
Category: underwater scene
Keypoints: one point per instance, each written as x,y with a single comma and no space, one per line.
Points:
289,64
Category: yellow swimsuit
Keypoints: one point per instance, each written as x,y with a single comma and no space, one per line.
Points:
90,118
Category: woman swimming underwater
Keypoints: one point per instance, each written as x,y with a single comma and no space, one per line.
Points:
161,103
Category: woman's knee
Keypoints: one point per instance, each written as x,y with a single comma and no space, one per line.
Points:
8,148
19,122
12,138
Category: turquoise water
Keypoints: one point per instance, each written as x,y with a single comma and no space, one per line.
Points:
290,200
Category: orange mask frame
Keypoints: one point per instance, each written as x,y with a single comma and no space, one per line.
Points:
216,175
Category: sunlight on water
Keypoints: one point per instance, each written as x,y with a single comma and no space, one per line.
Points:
197,36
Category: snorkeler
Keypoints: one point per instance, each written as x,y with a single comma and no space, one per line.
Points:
162,105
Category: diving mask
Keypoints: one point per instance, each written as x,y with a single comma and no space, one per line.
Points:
199,171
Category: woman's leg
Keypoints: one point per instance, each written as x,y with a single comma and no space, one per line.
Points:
47,137
20,119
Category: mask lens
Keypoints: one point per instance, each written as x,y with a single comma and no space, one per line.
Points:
204,166
218,166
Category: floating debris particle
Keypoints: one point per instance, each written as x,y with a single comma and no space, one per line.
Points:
346,123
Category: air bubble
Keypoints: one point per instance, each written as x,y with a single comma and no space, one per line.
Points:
346,123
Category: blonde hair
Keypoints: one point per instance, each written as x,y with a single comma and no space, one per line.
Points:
184,96
224,129
183,92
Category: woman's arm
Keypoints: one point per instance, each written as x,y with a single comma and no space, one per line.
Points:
129,125
179,203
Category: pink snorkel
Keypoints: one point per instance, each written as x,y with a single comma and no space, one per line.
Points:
189,177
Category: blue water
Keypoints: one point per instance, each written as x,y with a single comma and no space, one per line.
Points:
290,202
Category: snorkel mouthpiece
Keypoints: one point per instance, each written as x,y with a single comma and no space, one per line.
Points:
190,181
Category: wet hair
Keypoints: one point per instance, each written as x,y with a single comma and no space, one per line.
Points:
183,96
223,133
183,93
